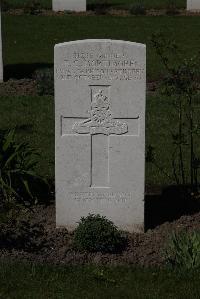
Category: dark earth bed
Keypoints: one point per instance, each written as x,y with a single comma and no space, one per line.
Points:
54,246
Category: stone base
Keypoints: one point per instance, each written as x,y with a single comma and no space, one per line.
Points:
72,5
193,5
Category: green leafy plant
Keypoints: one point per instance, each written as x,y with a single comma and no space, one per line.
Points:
181,84
44,81
18,180
32,7
96,233
138,8
183,250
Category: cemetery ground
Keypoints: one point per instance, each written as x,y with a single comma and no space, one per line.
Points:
28,48
91,4
22,59
95,282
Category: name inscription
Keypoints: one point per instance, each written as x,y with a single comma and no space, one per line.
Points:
106,196
99,66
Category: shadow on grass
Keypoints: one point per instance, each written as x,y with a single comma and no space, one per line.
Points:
99,5
27,128
21,71
170,205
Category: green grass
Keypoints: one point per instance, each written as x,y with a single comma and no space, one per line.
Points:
46,4
161,123
34,119
25,43
18,281
122,3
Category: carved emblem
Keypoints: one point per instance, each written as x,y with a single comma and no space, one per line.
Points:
100,121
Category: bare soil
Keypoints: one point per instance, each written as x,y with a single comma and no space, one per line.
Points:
22,87
43,243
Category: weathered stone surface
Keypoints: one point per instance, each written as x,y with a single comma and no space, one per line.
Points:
193,5
1,59
73,5
100,131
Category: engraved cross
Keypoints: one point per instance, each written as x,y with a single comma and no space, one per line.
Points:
100,123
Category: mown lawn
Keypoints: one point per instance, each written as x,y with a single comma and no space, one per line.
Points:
22,281
122,3
30,39
33,118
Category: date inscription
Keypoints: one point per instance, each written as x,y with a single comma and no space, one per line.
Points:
103,196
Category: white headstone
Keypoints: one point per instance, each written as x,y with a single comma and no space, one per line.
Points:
100,131
73,5
1,59
193,5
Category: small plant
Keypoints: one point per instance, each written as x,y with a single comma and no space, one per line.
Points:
183,250
181,84
138,8
17,177
96,233
32,7
44,81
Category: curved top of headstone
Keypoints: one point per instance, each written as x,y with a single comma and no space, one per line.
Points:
100,41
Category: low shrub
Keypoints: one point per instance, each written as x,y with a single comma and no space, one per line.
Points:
183,250
138,8
44,81
32,7
95,233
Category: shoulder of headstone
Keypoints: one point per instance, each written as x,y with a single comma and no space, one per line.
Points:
100,41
